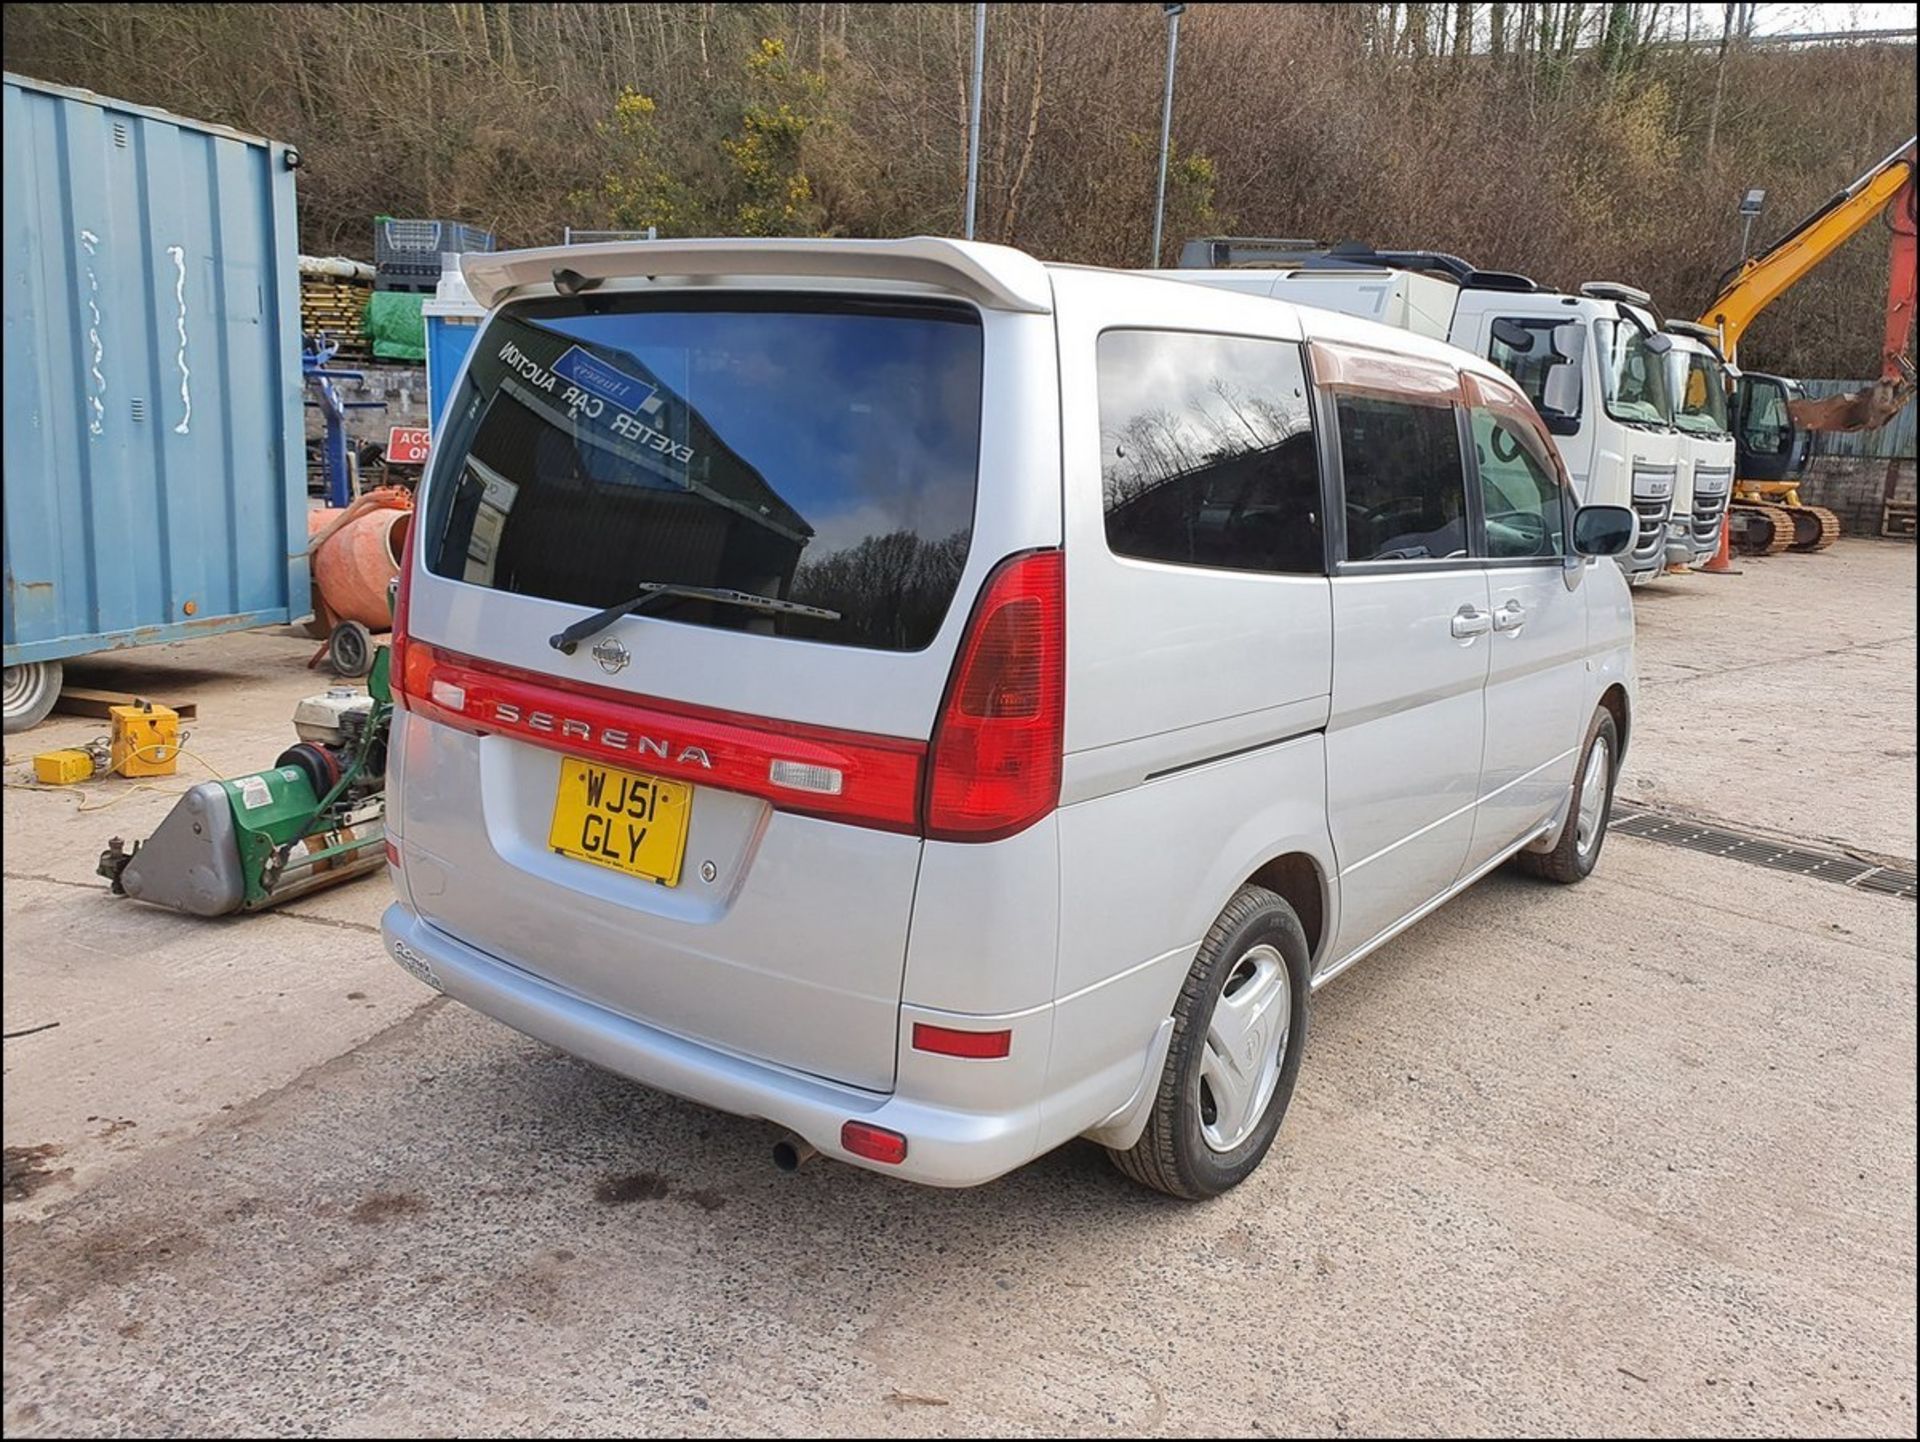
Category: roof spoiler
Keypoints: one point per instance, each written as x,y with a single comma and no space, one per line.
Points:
1227,252
991,275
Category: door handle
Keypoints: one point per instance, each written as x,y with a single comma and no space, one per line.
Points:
1510,617
1469,621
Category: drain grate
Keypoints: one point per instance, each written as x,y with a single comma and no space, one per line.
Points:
1761,851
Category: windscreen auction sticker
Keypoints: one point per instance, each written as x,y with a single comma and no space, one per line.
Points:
615,387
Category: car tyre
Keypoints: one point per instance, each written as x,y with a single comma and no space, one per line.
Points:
31,690
1588,811
1239,1027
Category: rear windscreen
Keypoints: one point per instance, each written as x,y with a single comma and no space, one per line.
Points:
821,452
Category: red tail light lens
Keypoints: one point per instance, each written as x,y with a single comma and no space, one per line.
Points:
876,1144
852,776
995,754
996,750
397,643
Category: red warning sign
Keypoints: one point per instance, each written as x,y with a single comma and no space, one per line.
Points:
408,445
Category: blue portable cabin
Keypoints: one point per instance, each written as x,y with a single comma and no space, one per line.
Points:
452,322
453,318
155,480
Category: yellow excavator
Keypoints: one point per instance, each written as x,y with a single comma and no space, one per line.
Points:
1772,420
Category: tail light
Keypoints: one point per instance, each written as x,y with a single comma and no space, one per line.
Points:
851,776
397,643
995,767
991,770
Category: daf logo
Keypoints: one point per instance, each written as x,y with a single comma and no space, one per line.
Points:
611,655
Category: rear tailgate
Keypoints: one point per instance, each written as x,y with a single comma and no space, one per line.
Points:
752,889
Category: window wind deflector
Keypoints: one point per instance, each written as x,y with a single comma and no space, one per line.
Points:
568,641
1655,342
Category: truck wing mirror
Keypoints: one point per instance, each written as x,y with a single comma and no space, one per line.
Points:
1560,399
1511,334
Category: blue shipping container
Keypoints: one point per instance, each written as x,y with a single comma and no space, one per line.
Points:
155,477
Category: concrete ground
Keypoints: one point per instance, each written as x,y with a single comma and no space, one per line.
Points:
1781,699
1634,1157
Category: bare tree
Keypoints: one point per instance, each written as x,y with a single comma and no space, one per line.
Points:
1558,139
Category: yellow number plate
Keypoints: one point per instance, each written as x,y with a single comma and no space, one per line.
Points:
621,819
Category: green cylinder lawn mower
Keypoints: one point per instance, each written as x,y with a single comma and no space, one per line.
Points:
317,818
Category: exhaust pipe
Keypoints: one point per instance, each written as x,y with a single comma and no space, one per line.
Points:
791,1153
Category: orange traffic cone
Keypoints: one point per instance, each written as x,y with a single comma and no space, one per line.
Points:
1722,562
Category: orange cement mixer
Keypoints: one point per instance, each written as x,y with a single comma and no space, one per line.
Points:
356,552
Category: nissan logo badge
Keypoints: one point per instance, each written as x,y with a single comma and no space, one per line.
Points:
611,655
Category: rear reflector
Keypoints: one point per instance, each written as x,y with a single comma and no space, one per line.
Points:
876,1144
393,853
948,1041
995,767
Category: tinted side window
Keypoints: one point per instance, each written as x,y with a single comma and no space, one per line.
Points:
1206,452
1520,492
1406,499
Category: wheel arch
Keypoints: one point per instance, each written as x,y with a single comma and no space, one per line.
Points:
1297,879
1614,701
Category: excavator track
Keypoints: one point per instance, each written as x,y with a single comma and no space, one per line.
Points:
1814,527
1766,530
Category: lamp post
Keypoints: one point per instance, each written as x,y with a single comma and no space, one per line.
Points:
1750,204
1173,13
973,117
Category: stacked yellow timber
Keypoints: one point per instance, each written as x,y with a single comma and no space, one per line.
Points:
333,299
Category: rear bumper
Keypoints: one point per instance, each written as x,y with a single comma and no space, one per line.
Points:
946,1147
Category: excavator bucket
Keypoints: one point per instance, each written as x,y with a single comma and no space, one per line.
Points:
1863,410
1880,402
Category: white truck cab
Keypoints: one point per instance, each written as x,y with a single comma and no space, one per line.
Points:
1698,381
1591,363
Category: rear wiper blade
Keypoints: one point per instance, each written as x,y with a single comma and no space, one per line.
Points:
567,641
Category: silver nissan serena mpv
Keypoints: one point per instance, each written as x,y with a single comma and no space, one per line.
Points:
946,704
